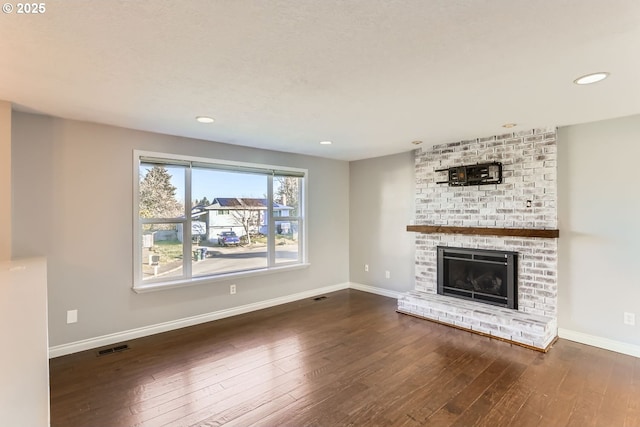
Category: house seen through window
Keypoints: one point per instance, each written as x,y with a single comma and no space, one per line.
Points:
200,219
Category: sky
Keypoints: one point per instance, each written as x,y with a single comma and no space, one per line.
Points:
212,183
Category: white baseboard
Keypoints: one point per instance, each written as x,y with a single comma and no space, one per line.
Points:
91,343
595,341
375,290
104,340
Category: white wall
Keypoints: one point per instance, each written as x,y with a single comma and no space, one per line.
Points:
382,205
599,222
5,180
72,188
24,362
24,366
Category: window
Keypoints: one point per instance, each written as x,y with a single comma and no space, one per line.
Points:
200,219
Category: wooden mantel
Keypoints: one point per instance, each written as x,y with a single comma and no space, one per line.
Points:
486,231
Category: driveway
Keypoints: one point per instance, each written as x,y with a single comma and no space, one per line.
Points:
226,259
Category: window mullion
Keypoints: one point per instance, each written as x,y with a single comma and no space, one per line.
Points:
288,218
137,227
271,240
186,229
302,225
161,220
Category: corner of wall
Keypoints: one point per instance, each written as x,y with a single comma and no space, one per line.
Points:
5,180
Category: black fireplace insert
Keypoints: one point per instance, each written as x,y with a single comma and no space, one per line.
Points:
478,274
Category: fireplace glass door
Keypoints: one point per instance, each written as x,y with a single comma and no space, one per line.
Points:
481,275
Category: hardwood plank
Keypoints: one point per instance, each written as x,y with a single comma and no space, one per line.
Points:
589,400
501,413
350,369
386,402
491,396
455,406
347,360
566,396
450,384
632,413
514,397
438,374
543,377
615,399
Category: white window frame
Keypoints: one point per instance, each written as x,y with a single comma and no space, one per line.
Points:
269,171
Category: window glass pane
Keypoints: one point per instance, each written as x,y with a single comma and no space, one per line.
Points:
233,253
161,251
229,217
231,206
287,243
286,196
161,191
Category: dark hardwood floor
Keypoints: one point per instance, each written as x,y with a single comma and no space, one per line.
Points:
349,359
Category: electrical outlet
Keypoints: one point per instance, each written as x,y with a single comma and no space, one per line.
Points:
366,267
629,319
232,289
72,316
528,203
387,274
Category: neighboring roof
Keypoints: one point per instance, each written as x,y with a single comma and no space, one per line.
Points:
225,202
197,214
243,203
258,203
238,203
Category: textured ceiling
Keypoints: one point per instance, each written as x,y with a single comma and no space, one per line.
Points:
370,75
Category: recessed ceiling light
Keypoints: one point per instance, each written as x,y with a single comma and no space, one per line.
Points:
416,142
326,142
204,119
509,125
591,78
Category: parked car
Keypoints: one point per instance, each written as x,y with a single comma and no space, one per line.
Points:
226,238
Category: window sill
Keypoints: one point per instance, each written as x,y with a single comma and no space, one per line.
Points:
152,287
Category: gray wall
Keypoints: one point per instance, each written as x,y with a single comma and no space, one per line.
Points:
382,205
72,202
599,214
598,218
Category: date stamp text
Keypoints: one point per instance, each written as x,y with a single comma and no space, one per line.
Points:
24,8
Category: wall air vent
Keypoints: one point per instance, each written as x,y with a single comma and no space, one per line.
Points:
111,350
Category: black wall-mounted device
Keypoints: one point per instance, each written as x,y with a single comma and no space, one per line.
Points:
480,174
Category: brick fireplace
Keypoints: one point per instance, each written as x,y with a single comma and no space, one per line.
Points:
526,199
